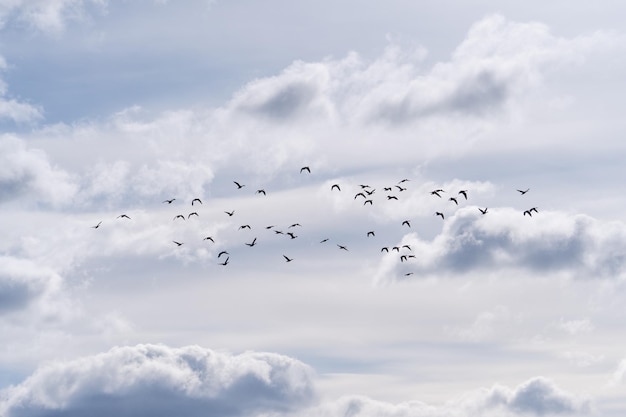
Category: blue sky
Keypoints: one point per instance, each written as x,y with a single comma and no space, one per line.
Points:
110,108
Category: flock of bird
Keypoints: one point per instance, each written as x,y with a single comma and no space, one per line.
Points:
366,193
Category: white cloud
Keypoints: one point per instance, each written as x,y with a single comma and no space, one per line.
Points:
163,381
549,242
536,397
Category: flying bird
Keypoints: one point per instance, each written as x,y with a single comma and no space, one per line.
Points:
384,249
291,235
287,259
402,258
370,233
251,244
407,246
278,232
370,192
408,274
400,188
209,238
463,193
342,247
196,199
392,197
219,255
404,180
335,186
528,212
483,211
387,189
294,225
307,169
359,194
261,191
96,226
438,213
407,223
534,209
239,186
230,213
226,261
179,216
436,192
522,192
244,226
269,227
177,243
396,248
324,240
453,199
123,216
193,213
370,202
170,201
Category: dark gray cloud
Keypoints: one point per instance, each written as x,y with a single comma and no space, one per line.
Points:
157,380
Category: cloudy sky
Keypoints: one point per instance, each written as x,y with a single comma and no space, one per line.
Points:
113,107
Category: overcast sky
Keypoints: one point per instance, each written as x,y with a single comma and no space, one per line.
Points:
351,287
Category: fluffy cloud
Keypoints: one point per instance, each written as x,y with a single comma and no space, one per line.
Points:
505,239
536,397
163,381
25,171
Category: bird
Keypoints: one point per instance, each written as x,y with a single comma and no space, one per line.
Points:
408,274
436,192
287,259
170,201
522,192
407,223
291,235
324,240
528,212
219,255
463,193
392,197
404,180
384,249
251,244
278,232
196,199
209,238
230,213
96,226
370,192
387,189
359,194
534,209
400,188
370,202
453,199
402,258
244,226
193,213
226,261
123,216
396,248
307,169
438,213
261,191
294,225
179,216
364,186
239,186
342,247
335,186
177,243
483,211
269,227
407,246
370,233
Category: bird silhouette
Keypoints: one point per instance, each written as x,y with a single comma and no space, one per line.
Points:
230,213
436,192
400,188
239,186
278,232
294,225
196,199
219,255
96,226
384,249
359,195
396,248
193,213
269,227
370,192
287,259
291,235
392,197
335,186
453,199
534,209
402,258
324,240
406,222
403,180
342,247
387,189
251,244
307,169
370,233
364,186
370,202
407,246
179,216
528,212
244,226
522,192
170,201
123,216
483,211
438,213
209,238
177,243
261,191
226,261
463,193
408,274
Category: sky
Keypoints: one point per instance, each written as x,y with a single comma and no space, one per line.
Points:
138,278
